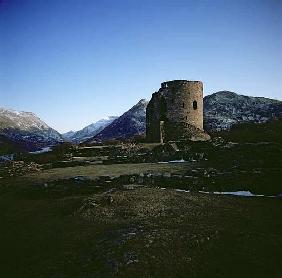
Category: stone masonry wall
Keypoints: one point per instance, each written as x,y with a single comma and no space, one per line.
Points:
175,111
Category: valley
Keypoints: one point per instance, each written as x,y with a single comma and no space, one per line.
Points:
125,207
140,209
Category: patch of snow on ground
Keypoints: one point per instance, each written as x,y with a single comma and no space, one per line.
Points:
237,193
172,161
182,190
7,157
177,161
44,150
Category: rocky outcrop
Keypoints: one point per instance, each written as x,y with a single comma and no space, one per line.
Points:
19,168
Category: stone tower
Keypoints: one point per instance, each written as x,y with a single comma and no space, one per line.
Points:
175,112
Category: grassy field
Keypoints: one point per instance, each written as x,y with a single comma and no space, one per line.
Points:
93,171
145,232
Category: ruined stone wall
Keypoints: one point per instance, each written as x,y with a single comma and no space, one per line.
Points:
175,111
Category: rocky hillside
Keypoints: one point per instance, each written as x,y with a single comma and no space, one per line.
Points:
89,131
224,109
27,129
129,124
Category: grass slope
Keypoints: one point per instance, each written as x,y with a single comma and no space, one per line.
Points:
145,232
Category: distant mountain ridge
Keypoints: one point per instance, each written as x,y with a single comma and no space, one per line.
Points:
224,109
131,123
27,129
89,131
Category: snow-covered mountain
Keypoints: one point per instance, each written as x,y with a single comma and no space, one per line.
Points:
28,129
67,135
89,131
127,125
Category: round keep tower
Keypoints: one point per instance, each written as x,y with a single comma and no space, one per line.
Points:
175,112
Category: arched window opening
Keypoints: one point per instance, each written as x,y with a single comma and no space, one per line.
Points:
183,104
195,105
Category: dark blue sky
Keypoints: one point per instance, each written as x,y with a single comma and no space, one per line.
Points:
73,62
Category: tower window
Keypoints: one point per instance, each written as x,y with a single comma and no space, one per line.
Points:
195,105
163,109
183,104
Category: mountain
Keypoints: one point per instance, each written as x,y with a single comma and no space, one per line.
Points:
224,109
127,125
89,131
67,136
27,129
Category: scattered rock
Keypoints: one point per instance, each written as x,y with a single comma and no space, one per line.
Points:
110,199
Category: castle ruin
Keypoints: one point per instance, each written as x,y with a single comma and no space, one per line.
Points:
175,112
